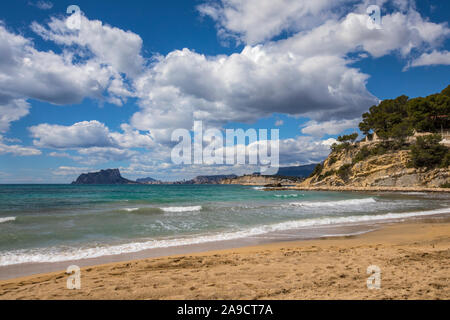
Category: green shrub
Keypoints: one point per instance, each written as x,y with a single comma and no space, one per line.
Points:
446,161
363,154
344,171
348,137
445,185
332,160
317,170
326,174
338,147
428,152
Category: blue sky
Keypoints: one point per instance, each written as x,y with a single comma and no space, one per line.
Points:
110,94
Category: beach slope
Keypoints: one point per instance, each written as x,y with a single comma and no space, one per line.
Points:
414,259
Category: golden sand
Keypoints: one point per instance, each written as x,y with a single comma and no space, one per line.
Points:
413,258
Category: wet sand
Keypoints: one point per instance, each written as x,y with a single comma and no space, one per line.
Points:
414,258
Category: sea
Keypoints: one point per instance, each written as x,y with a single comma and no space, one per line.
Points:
55,223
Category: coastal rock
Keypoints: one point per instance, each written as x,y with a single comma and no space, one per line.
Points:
387,170
109,176
148,180
259,180
217,179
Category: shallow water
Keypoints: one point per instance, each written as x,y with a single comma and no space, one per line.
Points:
51,223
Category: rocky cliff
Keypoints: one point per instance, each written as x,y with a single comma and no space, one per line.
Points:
391,169
217,179
109,176
259,180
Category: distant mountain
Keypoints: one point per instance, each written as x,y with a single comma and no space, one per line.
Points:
109,176
210,179
296,171
147,180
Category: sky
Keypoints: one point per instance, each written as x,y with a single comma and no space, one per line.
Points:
107,87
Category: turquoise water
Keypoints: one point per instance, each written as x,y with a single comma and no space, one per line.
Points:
44,223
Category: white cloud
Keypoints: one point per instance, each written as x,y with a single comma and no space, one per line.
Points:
87,134
254,21
71,171
279,123
244,87
307,74
43,5
118,48
80,135
17,150
11,110
333,127
97,155
27,73
432,59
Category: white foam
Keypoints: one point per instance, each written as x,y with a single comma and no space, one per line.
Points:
351,202
182,209
131,209
7,219
259,188
56,254
288,195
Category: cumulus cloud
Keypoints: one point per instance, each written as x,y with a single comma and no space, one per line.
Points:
87,134
43,5
71,171
118,48
333,127
17,150
11,110
254,21
31,74
308,72
186,86
432,59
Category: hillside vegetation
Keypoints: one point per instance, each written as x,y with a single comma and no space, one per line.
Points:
405,144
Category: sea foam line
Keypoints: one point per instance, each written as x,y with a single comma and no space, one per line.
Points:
351,202
7,219
55,254
182,209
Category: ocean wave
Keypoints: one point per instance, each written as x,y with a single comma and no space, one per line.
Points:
289,195
131,209
182,209
351,202
7,219
258,188
57,254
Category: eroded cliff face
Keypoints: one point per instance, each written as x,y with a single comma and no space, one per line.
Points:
258,180
387,170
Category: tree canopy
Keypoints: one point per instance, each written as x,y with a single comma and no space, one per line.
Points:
398,118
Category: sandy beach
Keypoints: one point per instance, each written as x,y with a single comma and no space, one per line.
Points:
414,258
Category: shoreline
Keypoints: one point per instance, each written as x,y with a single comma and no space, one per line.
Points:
417,252
299,233
360,189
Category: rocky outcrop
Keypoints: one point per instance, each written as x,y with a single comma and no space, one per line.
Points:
389,170
259,180
109,176
217,179
148,180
